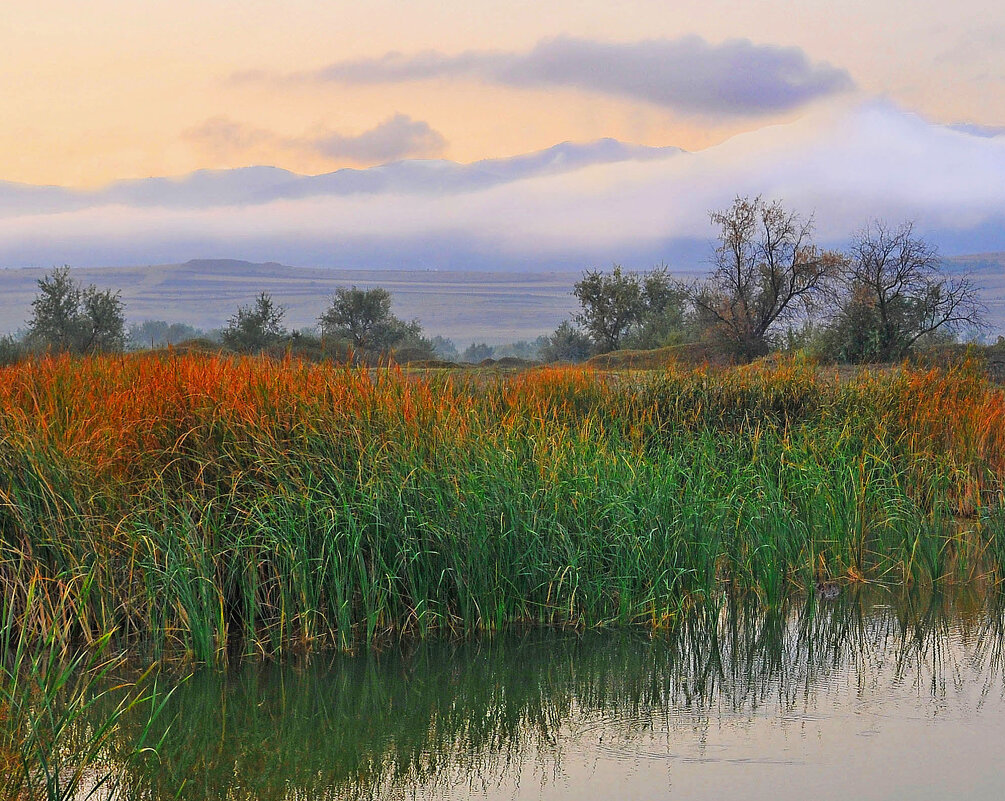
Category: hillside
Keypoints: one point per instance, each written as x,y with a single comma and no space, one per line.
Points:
988,271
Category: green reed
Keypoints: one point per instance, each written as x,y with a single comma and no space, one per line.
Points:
201,506
61,708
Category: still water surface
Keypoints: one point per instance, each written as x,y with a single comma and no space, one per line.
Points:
859,698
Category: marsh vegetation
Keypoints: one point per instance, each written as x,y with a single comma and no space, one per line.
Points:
185,509
200,504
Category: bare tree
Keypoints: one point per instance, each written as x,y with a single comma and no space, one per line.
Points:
897,294
766,271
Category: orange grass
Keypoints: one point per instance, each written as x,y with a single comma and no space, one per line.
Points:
196,500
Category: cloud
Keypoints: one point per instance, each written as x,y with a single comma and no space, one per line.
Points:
844,164
983,131
397,137
224,137
689,74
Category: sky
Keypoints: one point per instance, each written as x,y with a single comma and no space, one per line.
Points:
117,89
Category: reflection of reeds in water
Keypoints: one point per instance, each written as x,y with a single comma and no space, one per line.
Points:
60,710
471,714
196,503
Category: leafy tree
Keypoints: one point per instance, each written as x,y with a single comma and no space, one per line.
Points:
611,304
766,272
616,304
71,318
896,297
158,333
444,348
567,344
477,352
56,321
363,318
256,327
665,318
522,349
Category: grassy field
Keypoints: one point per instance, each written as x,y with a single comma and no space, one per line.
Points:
195,505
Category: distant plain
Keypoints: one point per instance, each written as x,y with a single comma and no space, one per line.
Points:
486,307
466,306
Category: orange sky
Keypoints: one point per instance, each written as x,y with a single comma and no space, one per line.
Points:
117,89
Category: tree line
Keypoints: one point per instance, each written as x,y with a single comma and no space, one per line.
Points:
357,326
769,286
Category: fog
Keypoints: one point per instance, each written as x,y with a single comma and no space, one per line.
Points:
843,163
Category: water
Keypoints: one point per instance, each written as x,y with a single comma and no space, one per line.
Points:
860,698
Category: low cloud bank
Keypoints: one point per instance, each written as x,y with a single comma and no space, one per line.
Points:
845,166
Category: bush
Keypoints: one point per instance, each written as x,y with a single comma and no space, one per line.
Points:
256,327
476,353
159,333
11,350
567,344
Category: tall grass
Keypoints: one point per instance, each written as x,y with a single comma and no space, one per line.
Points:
200,504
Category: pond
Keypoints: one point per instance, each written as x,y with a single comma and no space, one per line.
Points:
868,696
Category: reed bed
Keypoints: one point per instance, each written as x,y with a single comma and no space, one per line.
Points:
201,506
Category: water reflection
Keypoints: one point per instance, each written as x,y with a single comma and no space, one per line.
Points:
725,699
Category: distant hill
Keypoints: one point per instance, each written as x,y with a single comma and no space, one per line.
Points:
988,272
988,266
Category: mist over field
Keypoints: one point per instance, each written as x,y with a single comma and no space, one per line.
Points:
565,208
